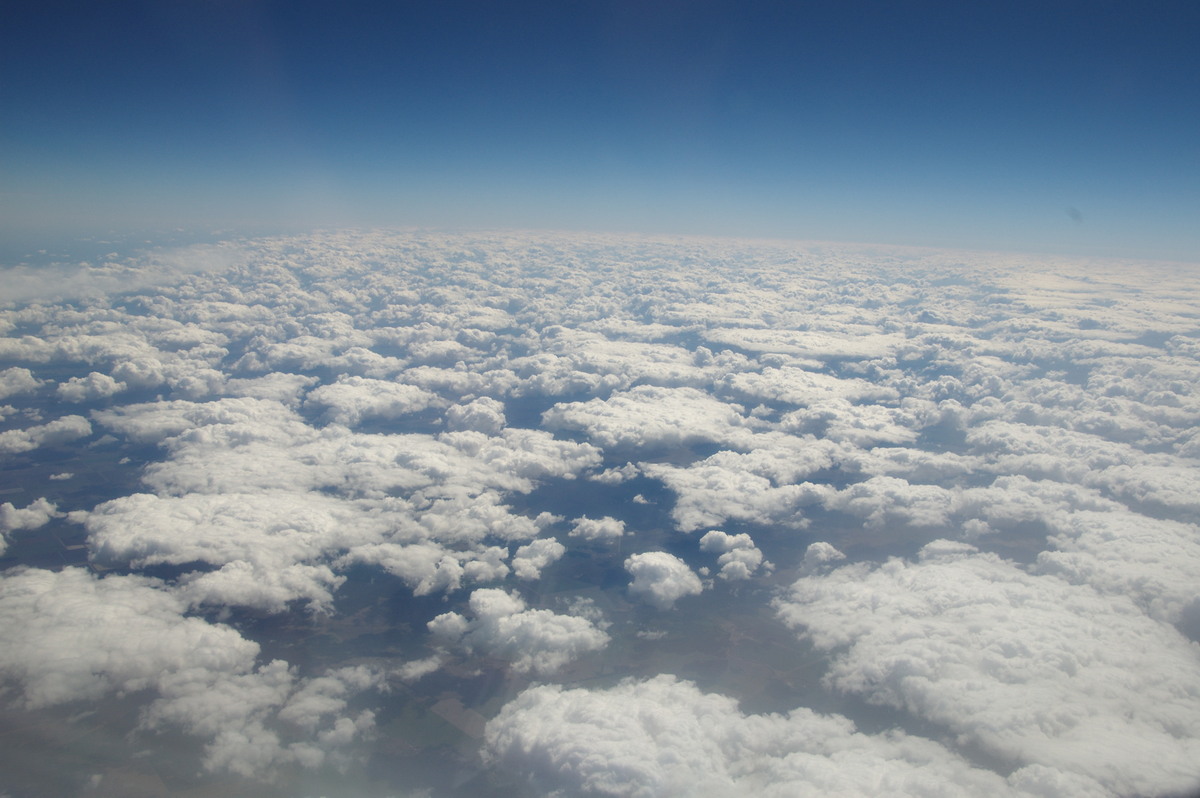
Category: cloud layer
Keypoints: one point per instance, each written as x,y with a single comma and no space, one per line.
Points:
944,492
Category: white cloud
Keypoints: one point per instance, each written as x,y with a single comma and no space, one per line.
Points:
664,737
351,399
879,396
1153,561
36,514
1031,669
85,389
661,578
74,637
531,641
530,559
606,528
816,345
739,557
821,554
484,415
60,430
796,386
17,380
649,416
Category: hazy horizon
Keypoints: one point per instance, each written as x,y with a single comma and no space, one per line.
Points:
1064,128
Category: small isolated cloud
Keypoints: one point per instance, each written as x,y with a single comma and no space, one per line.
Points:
36,514
615,476
661,578
606,528
819,555
530,559
531,641
739,559
418,668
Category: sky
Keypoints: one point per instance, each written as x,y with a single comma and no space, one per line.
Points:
1063,127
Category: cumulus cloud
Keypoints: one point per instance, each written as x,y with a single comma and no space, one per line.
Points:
1155,562
351,399
531,641
1032,669
37,514
664,737
267,548
17,380
606,528
484,415
58,431
739,557
650,416
75,637
661,578
530,559
92,387
879,399
820,554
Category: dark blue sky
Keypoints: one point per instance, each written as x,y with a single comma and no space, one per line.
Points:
1064,127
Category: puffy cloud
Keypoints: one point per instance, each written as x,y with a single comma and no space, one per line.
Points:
813,344
247,418
664,737
286,389
1030,669
820,554
606,528
86,389
661,578
796,386
267,547
484,415
17,380
649,416
530,559
233,445
739,557
58,431
38,513
878,397
713,491
74,637
1155,562
531,641
351,399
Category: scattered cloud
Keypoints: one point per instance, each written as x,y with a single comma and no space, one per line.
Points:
532,641
661,578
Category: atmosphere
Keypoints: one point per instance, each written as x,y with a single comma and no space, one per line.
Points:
1063,127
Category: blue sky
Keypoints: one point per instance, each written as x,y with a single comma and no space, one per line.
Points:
1049,126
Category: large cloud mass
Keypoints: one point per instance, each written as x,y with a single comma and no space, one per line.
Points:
1022,666
664,737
